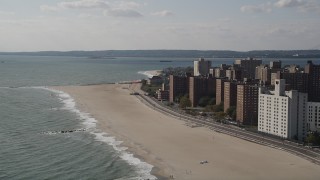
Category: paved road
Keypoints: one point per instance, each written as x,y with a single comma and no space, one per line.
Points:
312,155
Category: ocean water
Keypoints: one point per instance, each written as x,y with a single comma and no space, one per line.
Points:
34,119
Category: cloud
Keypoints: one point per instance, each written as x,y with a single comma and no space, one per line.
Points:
288,3
163,13
117,12
115,9
303,6
124,9
127,5
267,7
47,8
84,4
80,4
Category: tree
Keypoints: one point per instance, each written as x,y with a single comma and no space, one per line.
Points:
219,116
232,112
313,138
204,101
184,102
217,108
143,82
212,101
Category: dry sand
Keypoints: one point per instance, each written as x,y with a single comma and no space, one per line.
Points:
176,149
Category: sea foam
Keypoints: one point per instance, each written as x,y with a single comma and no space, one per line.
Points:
146,73
143,168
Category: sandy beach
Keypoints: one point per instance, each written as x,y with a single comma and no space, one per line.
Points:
177,149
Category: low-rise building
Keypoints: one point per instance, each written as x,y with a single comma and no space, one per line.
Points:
162,95
155,80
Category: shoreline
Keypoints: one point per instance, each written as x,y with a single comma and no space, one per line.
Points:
150,73
92,127
172,147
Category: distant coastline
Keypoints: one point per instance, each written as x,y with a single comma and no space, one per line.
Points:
177,53
101,57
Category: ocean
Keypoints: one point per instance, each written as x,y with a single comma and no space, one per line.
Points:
42,133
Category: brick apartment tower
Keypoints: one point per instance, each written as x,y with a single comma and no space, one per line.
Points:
296,81
247,104
201,67
234,73
248,67
178,87
220,90
263,73
314,81
230,95
275,64
200,87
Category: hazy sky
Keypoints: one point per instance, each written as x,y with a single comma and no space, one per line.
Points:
36,25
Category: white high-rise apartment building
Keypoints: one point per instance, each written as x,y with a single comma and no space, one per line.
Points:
313,116
201,67
282,113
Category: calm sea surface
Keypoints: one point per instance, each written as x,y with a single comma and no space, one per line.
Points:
33,118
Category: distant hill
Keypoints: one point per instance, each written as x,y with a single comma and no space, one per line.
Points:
177,53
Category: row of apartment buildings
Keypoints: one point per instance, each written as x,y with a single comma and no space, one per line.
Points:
248,85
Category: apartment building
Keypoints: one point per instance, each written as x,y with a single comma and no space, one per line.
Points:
314,81
220,90
201,67
200,87
313,116
230,95
248,66
178,87
282,113
247,104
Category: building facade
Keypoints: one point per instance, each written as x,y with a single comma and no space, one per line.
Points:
275,64
230,95
314,81
313,116
155,80
296,81
247,104
234,73
274,76
220,90
248,66
163,95
282,113
178,87
263,73
200,87
201,67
